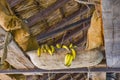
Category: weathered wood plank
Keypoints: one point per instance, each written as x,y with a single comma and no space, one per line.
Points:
65,21
83,59
111,22
15,56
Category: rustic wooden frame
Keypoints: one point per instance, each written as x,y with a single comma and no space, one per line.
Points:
77,70
111,18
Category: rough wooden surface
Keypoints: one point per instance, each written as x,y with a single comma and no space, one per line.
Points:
111,23
83,59
15,56
98,76
5,77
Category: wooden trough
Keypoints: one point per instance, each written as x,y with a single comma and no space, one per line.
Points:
48,23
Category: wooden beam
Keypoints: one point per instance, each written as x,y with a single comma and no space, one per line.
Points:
44,13
83,59
74,70
76,33
73,34
15,56
59,30
67,20
111,23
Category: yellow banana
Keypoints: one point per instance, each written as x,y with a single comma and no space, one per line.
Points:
71,45
52,48
65,47
39,52
46,47
73,53
58,45
50,52
43,50
68,59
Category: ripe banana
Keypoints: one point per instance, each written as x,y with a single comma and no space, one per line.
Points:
50,52
43,50
39,52
71,45
65,47
73,53
46,47
58,46
68,59
52,48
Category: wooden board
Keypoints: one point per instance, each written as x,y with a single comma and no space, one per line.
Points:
111,23
15,56
83,59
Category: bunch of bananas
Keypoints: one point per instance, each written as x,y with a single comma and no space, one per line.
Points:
46,49
51,50
69,56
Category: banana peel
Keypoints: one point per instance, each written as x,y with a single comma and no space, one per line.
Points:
39,52
73,52
68,59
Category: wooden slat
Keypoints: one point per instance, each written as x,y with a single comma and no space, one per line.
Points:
111,22
75,34
59,30
74,70
65,21
44,13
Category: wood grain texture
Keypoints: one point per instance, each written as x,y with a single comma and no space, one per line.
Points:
83,59
111,23
15,55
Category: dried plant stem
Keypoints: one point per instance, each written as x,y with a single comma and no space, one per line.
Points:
84,2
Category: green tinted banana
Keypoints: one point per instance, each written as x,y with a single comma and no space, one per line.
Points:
65,47
46,47
39,52
68,59
74,46
73,53
58,45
